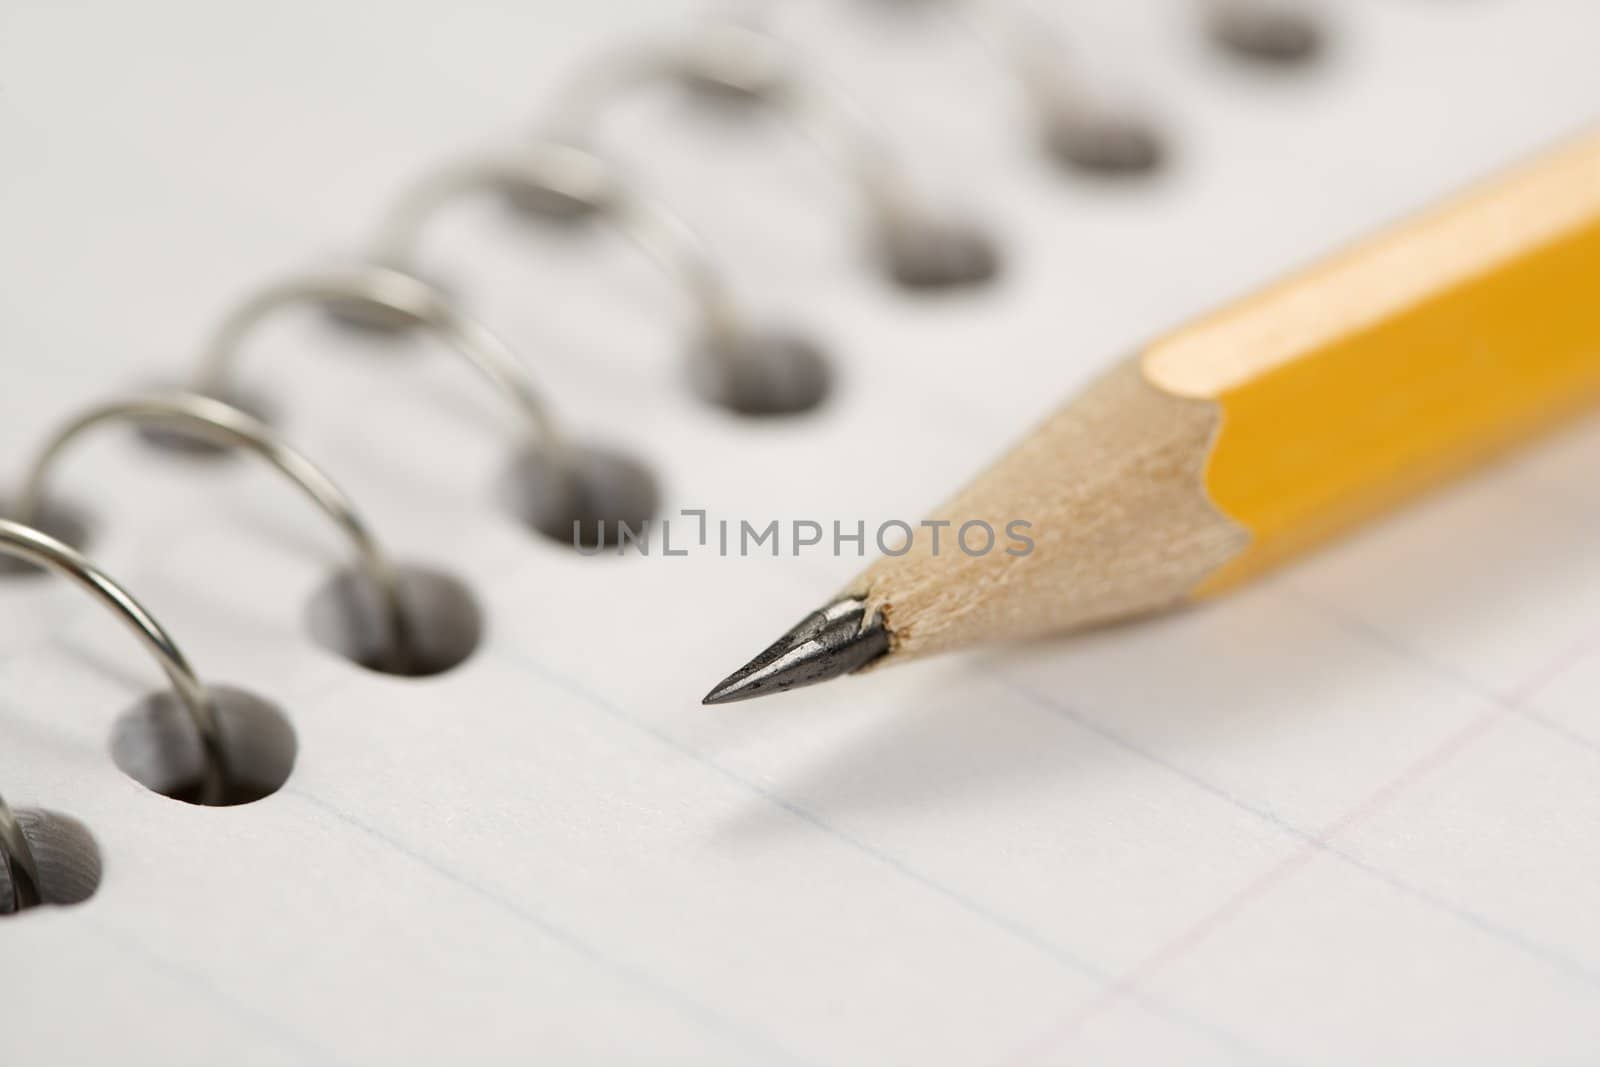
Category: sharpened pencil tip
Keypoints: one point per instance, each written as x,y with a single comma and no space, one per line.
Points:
837,640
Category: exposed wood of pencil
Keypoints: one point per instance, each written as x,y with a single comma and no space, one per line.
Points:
1280,421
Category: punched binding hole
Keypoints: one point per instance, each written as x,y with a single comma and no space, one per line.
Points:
580,496
60,863
761,373
349,616
1271,33
155,744
1104,143
936,254
63,521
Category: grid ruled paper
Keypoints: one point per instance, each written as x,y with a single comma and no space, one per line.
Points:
1346,815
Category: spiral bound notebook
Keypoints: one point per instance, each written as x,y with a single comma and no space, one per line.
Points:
1350,816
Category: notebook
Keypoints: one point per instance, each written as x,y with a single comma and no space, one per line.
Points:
1345,815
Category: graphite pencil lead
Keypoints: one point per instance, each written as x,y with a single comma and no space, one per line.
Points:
825,644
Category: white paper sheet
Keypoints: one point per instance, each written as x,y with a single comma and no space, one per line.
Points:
1347,815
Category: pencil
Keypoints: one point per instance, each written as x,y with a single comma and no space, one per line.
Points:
1253,434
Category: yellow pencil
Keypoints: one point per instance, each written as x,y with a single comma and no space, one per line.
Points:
1254,433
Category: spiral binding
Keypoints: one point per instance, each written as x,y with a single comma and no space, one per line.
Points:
218,422
45,858
920,247
16,859
1076,127
559,175
748,369
389,299
45,551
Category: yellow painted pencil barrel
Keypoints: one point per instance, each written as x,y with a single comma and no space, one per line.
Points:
1266,427
1401,360
1256,432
